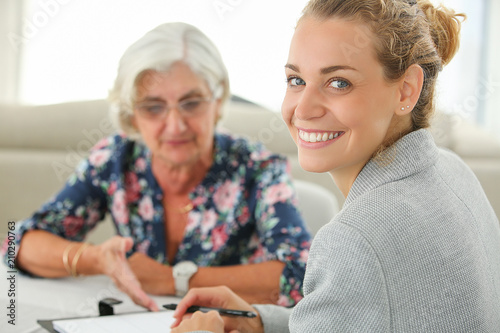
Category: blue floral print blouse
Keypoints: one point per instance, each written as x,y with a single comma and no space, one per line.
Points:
244,211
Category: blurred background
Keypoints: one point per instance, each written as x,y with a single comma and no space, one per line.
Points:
57,51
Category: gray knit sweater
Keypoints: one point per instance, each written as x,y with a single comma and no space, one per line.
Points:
416,248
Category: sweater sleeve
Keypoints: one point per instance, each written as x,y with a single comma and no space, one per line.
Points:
274,317
345,289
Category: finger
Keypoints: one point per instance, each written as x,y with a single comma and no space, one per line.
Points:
133,288
126,281
127,243
179,320
149,303
118,244
138,296
210,321
197,296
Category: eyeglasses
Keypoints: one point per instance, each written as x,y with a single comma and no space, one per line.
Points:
188,108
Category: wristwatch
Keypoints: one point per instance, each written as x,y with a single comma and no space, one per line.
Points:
182,272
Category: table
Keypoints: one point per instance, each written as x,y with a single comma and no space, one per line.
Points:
37,298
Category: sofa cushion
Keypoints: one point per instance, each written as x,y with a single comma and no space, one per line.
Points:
258,124
464,137
470,141
76,125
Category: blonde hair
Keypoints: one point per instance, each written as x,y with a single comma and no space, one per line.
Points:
407,33
157,51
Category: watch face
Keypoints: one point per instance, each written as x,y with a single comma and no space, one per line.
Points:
185,268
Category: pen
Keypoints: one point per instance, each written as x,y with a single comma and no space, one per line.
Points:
222,312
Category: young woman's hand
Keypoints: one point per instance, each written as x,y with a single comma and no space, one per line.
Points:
210,321
219,297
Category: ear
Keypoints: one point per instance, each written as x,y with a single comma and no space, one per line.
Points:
218,110
410,89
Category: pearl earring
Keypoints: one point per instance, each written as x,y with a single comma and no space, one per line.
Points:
402,109
407,106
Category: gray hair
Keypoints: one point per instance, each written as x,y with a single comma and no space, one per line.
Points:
157,51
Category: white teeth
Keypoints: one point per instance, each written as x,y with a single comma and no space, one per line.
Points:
317,137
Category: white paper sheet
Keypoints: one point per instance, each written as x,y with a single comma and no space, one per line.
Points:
125,323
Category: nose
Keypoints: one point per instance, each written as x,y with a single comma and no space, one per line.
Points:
309,104
175,123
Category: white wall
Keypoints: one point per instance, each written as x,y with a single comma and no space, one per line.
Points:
492,94
73,53
10,55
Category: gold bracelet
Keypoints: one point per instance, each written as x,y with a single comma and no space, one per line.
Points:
66,255
76,257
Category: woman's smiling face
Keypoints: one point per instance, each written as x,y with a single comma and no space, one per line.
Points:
338,106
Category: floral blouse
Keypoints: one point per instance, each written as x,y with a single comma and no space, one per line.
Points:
244,211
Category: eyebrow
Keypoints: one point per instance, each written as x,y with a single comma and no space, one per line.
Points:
325,70
192,93
196,92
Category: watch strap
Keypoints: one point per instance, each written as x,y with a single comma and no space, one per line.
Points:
182,273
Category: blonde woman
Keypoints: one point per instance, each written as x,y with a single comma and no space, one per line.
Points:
416,247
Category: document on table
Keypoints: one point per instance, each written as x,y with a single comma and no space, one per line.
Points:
123,323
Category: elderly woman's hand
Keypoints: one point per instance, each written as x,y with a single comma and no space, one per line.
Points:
220,297
155,278
113,263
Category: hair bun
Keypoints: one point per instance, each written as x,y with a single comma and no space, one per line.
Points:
445,29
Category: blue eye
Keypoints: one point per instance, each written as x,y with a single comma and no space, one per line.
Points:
339,84
296,81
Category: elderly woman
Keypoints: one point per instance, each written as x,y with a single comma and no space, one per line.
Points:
192,207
